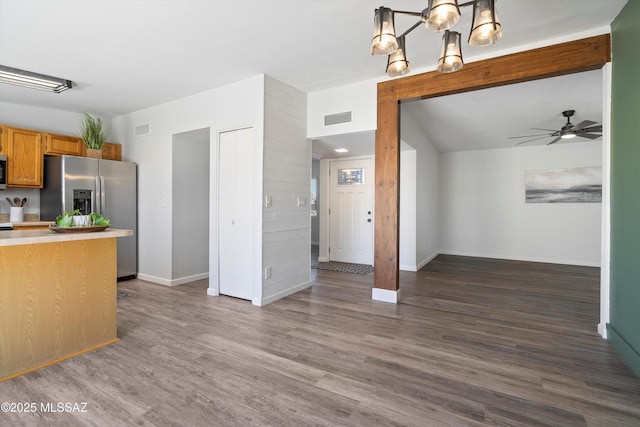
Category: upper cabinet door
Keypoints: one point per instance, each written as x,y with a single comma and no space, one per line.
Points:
24,157
111,151
57,145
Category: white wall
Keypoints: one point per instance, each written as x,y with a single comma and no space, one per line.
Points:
408,212
286,224
359,98
234,106
427,185
483,210
190,205
45,119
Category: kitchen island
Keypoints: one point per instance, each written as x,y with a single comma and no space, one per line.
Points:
57,296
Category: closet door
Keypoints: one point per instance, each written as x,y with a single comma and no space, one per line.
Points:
235,212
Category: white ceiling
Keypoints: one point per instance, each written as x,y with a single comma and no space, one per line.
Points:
125,55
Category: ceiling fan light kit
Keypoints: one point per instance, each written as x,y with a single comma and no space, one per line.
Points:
440,15
33,80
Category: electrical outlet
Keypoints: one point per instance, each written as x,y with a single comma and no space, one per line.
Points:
267,201
267,272
302,201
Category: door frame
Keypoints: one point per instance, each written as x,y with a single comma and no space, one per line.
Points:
561,59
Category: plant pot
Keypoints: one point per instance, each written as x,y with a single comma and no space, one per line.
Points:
95,153
81,220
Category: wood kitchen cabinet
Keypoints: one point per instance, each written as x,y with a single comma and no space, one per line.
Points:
25,159
58,145
111,151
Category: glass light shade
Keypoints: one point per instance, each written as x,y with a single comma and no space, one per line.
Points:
441,15
486,28
384,33
451,55
568,135
397,64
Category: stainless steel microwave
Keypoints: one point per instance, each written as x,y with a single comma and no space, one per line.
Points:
3,172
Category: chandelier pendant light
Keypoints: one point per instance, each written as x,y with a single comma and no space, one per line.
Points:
397,64
486,28
33,80
451,55
440,15
384,34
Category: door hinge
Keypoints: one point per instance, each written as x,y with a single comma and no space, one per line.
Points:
329,211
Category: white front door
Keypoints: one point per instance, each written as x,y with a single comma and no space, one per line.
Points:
351,211
235,211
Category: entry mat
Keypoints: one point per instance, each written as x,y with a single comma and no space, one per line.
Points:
344,267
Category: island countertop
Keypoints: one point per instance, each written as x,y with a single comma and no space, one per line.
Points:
36,236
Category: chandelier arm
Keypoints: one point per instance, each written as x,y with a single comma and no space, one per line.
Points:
405,12
413,27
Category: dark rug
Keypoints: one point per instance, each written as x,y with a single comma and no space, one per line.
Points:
344,267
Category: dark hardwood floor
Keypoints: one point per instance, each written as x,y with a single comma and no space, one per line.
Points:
474,342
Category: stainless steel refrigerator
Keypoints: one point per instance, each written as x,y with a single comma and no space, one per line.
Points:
107,187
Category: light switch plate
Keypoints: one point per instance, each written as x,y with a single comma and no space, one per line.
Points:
267,201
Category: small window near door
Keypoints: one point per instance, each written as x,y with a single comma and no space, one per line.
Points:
314,196
351,176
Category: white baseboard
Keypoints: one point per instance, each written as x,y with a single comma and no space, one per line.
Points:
420,265
264,301
602,330
323,259
212,292
172,282
154,279
189,279
385,295
524,258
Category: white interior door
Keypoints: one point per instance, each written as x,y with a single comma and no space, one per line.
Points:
351,211
235,211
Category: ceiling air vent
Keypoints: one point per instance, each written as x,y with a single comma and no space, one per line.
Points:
335,119
141,130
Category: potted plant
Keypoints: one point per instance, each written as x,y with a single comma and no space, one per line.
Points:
93,135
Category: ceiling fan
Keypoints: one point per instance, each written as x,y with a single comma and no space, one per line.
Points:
583,129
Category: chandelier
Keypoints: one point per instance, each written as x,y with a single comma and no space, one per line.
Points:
440,15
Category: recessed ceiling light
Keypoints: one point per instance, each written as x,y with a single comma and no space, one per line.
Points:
341,150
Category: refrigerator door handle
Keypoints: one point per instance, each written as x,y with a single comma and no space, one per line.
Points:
94,204
103,196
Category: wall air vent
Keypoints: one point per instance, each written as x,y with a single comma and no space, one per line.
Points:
141,130
335,119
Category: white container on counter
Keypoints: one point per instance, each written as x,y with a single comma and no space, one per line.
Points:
16,214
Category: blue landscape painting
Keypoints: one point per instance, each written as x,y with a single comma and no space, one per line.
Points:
574,185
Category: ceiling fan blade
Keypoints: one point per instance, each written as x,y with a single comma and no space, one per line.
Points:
528,136
555,140
550,130
593,129
583,124
534,139
589,135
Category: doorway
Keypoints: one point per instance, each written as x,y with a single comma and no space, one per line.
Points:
190,206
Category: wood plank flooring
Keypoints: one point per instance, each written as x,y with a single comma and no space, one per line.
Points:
474,342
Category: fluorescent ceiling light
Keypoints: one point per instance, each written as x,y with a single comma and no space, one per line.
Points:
32,80
341,150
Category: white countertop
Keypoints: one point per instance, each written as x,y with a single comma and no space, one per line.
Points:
28,237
